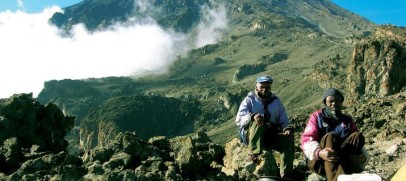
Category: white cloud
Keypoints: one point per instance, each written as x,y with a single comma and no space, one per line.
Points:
213,23
32,51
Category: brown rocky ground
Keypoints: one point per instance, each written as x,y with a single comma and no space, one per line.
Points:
193,157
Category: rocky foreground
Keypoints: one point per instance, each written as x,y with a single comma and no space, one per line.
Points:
33,148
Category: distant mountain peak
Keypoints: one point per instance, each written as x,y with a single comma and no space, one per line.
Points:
183,16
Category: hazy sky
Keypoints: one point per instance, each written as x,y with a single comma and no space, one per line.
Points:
32,51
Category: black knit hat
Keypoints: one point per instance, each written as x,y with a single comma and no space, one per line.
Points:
332,92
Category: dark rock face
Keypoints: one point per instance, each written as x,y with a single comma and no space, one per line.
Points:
246,70
179,15
31,123
378,67
77,97
26,124
146,115
67,88
97,13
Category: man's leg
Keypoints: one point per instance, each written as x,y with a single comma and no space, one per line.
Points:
286,149
333,170
316,166
352,145
255,138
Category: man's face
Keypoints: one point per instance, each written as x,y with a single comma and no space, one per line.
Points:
264,88
334,103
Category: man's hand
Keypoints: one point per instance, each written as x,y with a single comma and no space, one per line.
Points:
358,159
259,119
327,154
289,134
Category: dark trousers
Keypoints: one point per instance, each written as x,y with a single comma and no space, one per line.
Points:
353,144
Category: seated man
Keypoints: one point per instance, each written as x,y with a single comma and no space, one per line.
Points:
331,141
264,124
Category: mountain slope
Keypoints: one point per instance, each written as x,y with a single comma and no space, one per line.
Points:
306,46
283,38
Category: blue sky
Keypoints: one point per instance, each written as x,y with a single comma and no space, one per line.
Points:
377,11
34,6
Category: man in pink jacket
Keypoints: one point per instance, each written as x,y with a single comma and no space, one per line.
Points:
331,141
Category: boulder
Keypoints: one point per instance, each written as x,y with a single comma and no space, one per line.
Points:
235,163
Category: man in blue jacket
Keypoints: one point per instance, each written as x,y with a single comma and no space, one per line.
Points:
264,124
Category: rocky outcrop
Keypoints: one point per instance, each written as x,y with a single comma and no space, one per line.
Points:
391,33
247,70
28,129
378,67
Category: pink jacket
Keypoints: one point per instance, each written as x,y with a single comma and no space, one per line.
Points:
314,131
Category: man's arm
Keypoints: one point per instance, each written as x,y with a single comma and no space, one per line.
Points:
283,117
244,114
309,138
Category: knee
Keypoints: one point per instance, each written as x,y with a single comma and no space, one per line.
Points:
329,136
357,135
328,140
360,139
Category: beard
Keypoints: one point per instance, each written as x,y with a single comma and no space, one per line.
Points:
265,94
336,113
